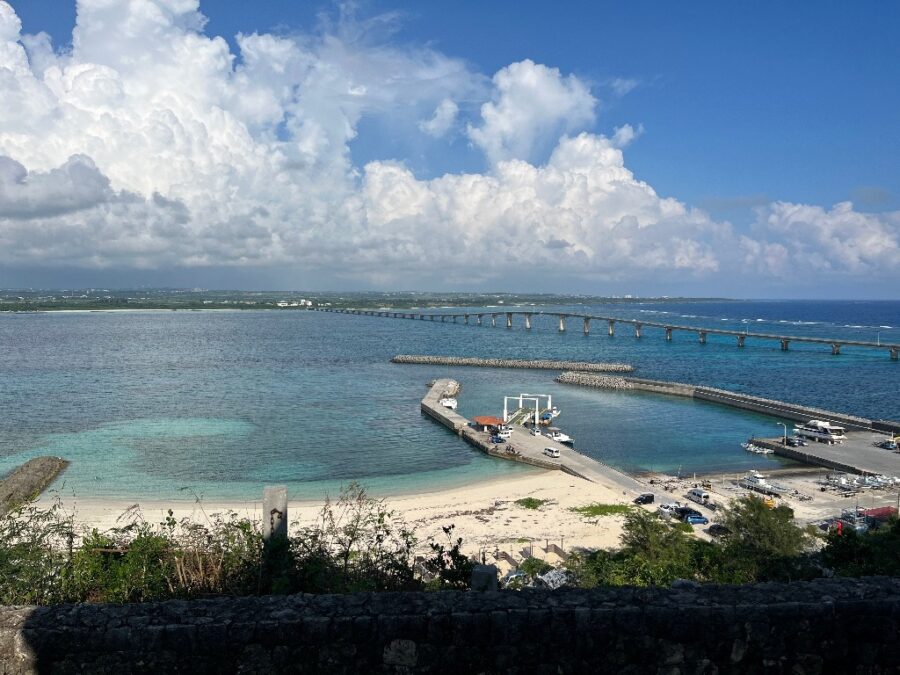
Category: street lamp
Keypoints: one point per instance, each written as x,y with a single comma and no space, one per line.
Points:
783,438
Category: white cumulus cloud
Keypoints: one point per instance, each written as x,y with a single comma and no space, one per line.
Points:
151,145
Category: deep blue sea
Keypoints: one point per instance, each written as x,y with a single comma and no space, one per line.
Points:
169,405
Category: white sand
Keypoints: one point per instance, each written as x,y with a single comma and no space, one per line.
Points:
484,513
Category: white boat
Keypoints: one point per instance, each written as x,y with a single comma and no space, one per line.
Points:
448,402
821,431
755,481
554,412
558,436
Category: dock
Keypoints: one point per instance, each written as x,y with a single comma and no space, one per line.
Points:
858,454
522,446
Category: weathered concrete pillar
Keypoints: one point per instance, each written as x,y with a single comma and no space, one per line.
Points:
587,326
528,321
275,515
668,334
784,345
835,349
637,330
611,329
478,318
442,318
702,335
894,353
466,316
493,320
454,318
562,323
432,317
509,319
741,340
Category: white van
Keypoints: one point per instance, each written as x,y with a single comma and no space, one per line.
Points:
698,495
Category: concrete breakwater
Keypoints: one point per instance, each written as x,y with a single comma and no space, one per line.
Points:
730,398
597,381
26,482
532,364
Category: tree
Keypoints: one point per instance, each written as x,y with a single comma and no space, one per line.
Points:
763,543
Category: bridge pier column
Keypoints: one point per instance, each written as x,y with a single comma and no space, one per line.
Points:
421,317
493,320
741,340
668,334
509,319
466,319
562,323
442,318
611,329
784,344
835,349
528,321
478,318
454,318
894,353
702,336
637,330
587,326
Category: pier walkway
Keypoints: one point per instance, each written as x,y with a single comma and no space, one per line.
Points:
858,454
741,337
528,449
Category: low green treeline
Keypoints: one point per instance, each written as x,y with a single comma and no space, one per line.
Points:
759,544
356,544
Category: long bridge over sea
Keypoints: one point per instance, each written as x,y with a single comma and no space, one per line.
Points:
637,325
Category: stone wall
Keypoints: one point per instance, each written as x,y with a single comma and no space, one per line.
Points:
826,626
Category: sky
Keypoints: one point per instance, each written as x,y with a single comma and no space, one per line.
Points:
641,148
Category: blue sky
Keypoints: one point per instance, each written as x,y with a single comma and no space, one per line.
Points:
734,108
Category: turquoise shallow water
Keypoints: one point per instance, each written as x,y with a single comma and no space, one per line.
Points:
175,404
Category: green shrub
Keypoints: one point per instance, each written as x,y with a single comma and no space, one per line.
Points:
599,510
531,502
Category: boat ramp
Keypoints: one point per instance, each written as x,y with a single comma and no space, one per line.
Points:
522,446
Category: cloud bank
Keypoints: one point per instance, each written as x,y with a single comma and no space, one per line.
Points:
151,145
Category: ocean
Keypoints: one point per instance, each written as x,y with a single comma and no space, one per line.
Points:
217,404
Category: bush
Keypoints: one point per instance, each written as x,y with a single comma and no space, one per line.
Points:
530,502
600,510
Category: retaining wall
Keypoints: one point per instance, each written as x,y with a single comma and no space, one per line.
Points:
826,626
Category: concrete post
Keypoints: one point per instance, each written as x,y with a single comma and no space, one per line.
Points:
528,321
784,344
702,335
466,316
637,330
741,340
478,318
509,319
442,318
587,326
835,349
562,323
454,318
611,330
275,515
668,334
894,353
493,320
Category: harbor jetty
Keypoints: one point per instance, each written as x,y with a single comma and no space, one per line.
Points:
29,480
791,411
741,336
530,364
522,446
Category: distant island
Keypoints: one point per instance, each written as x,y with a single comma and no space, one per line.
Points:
25,300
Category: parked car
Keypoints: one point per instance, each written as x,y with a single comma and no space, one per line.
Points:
645,498
692,519
536,432
497,439
683,512
552,452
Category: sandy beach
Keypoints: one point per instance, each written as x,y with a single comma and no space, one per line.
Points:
485,514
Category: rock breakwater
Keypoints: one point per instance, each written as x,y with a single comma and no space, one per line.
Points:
532,364
26,482
596,381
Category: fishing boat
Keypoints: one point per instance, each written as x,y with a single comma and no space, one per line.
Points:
555,434
448,402
755,481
